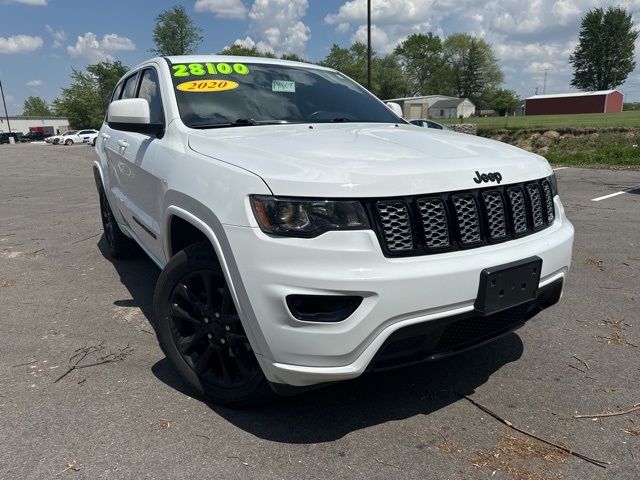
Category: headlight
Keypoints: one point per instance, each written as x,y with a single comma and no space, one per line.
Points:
302,217
553,181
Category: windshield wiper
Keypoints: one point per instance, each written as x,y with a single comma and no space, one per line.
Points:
241,122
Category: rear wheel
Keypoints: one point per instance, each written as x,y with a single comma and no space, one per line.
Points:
200,331
68,142
119,245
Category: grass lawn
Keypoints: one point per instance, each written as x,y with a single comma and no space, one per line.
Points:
604,150
595,120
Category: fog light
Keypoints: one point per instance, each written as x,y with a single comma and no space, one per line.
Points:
322,308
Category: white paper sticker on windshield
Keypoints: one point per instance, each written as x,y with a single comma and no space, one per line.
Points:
283,86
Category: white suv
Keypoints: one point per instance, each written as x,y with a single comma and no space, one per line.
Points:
307,234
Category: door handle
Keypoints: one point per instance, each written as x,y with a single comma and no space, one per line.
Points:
105,136
123,143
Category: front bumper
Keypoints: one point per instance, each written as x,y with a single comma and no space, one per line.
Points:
397,293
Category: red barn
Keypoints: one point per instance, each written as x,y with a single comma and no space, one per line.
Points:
604,101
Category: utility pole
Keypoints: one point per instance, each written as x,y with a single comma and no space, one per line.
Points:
6,113
369,44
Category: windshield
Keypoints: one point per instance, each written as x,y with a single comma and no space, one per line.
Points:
214,95
69,132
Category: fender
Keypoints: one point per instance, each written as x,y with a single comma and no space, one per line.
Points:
208,223
97,175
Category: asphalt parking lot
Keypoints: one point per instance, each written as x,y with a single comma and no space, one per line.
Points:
132,418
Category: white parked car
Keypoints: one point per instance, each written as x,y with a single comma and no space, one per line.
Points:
73,136
426,123
88,136
307,234
56,139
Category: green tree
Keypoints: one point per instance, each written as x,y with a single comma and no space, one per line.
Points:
473,67
35,107
175,33
503,100
350,61
85,102
387,78
604,56
425,64
294,57
106,74
241,51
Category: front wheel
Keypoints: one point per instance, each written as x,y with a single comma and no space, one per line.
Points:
200,332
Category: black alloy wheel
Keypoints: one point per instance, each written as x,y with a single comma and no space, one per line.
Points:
207,331
107,219
200,331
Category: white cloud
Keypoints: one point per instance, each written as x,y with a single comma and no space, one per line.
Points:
277,26
59,36
246,42
35,3
222,8
20,44
526,36
34,83
89,47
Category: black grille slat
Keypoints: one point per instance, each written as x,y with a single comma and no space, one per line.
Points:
468,219
434,222
518,210
548,200
535,199
396,226
496,218
450,221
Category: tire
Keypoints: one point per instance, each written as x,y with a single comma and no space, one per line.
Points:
119,245
56,141
93,142
68,142
200,332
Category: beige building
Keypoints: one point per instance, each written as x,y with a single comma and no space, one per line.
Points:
435,106
46,125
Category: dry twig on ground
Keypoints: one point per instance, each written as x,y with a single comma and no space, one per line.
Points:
582,362
635,408
599,463
75,361
617,339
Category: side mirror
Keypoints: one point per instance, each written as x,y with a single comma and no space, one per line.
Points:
132,115
395,108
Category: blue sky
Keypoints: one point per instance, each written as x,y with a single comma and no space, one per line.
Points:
41,40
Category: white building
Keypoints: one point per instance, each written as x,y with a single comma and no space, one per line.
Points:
435,106
46,125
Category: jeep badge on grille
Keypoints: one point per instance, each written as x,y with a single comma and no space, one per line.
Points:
488,177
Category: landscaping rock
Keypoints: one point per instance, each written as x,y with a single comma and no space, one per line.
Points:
469,128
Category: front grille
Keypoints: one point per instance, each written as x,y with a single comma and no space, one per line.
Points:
449,221
434,222
468,218
396,227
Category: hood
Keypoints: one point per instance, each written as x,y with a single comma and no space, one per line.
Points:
366,160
